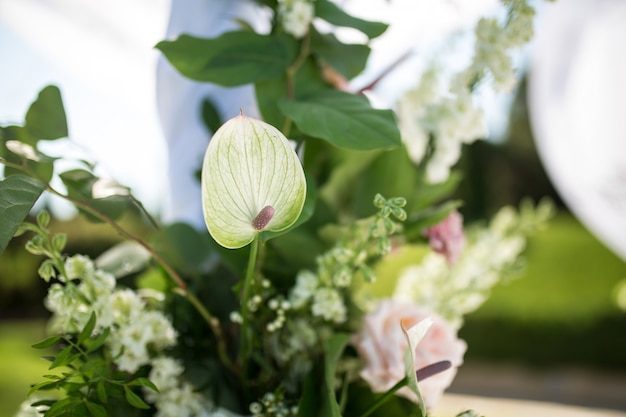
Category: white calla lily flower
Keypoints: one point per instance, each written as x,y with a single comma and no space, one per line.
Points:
252,181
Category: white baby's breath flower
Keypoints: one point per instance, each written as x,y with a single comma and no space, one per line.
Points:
306,284
328,304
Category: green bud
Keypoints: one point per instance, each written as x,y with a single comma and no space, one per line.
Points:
58,241
384,246
46,270
379,201
389,226
35,245
43,218
398,201
398,213
252,181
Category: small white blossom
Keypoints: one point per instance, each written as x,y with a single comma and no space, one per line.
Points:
296,16
328,304
78,267
306,284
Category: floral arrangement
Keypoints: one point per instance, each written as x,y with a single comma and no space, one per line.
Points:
296,302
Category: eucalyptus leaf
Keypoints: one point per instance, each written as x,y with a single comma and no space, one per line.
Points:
252,181
329,11
46,118
343,119
18,194
232,59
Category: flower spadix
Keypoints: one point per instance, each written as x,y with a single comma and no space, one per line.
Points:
252,181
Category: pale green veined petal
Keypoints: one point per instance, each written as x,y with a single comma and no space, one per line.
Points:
414,335
252,180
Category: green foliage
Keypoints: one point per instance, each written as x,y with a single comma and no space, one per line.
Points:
330,12
345,120
18,194
232,59
45,118
87,378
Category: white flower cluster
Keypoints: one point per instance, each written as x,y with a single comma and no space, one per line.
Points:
296,16
453,291
494,40
323,289
444,122
134,328
176,397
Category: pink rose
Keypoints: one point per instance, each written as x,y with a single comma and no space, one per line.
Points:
447,237
381,344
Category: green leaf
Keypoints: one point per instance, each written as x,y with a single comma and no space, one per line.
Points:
96,410
144,382
45,118
348,60
210,116
18,194
134,399
88,329
333,347
307,80
104,195
329,11
62,358
343,119
252,181
101,392
43,386
50,341
232,59
184,247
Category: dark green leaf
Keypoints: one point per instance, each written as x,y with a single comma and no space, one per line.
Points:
96,410
348,60
47,342
329,11
210,116
143,382
62,358
99,341
134,399
343,119
87,330
45,118
234,58
80,184
307,81
42,386
333,348
101,391
18,194
185,248
65,407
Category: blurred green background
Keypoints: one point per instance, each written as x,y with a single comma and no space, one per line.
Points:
563,311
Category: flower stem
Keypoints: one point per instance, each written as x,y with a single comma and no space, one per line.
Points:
383,398
244,348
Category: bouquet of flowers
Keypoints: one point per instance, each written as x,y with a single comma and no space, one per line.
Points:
336,270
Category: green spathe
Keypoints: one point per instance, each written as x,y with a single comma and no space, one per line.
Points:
252,181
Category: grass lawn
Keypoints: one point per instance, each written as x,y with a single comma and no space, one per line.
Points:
20,365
